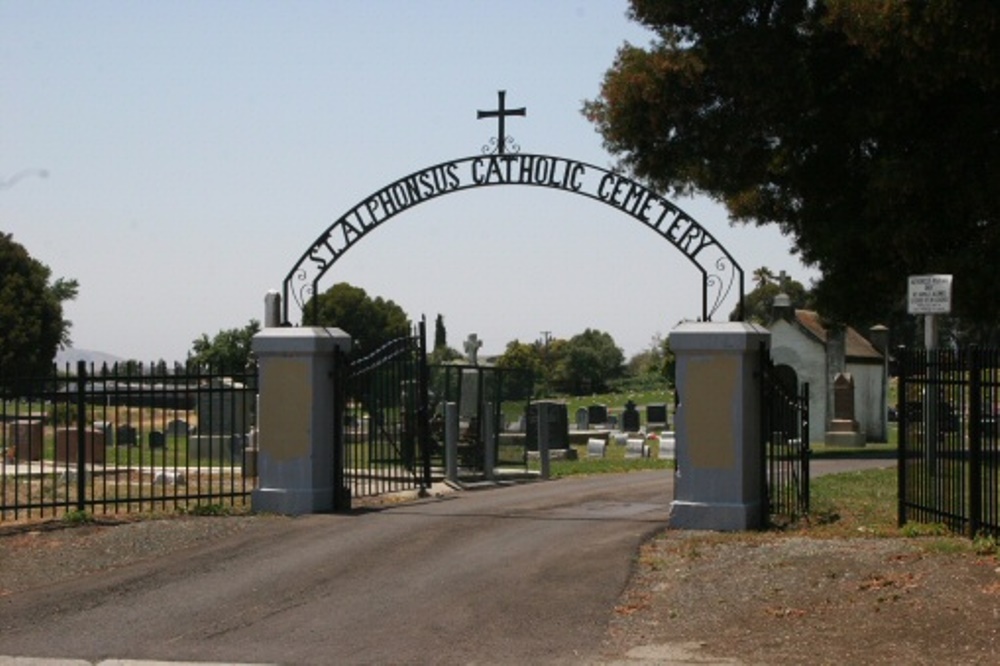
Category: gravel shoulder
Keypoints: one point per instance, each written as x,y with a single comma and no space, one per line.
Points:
790,599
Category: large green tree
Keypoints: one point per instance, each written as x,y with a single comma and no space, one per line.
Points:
32,324
587,362
228,350
868,131
371,322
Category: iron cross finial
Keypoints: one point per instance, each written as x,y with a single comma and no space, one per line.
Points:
500,114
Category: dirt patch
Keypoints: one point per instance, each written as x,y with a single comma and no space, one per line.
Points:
778,599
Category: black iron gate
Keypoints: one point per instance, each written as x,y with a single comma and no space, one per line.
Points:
949,441
785,438
382,442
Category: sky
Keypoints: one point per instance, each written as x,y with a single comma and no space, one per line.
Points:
177,158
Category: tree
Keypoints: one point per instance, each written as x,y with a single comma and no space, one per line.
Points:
523,365
587,362
32,324
866,130
371,322
228,351
440,333
757,305
441,352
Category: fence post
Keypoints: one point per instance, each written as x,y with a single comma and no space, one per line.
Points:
805,446
81,435
975,442
902,423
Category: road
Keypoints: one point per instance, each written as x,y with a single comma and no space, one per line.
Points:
521,574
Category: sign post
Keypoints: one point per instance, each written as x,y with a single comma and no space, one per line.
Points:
930,296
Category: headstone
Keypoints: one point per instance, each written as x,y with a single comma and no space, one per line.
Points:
168,478
472,345
668,445
557,426
596,448
620,438
630,417
582,419
177,428
636,448
222,406
468,401
157,440
597,414
24,440
843,429
656,415
108,428
68,446
125,435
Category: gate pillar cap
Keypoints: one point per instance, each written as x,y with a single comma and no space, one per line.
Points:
708,336
303,340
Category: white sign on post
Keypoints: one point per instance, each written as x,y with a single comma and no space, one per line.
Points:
929,294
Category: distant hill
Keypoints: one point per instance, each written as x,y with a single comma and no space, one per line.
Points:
72,356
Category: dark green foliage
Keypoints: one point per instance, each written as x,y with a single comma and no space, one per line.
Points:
32,326
229,351
588,362
371,322
757,305
867,131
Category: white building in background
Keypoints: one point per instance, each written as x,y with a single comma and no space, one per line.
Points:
804,347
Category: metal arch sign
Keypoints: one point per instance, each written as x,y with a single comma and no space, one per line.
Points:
721,275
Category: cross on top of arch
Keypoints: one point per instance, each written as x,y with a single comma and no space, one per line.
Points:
499,143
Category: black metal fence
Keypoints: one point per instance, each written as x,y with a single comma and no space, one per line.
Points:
949,451
492,405
383,445
785,437
125,438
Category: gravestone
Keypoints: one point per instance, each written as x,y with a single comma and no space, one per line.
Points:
24,440
108,428
844,430
582,419
468,401
656,415
472,346
668,445
222,408
636,448
68,446
125,435
177,428
157,440
597,414
596,448
557,426
630,417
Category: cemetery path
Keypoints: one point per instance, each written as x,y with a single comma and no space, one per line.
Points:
544,573
523,574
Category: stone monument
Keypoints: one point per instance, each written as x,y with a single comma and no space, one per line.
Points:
844,429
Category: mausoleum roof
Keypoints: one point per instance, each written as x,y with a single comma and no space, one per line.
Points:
856,346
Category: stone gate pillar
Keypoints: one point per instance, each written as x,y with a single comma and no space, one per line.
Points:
719,482
296,419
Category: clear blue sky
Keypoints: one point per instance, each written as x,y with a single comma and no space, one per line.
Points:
194,150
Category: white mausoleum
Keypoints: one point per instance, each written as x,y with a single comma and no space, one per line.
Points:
804,347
